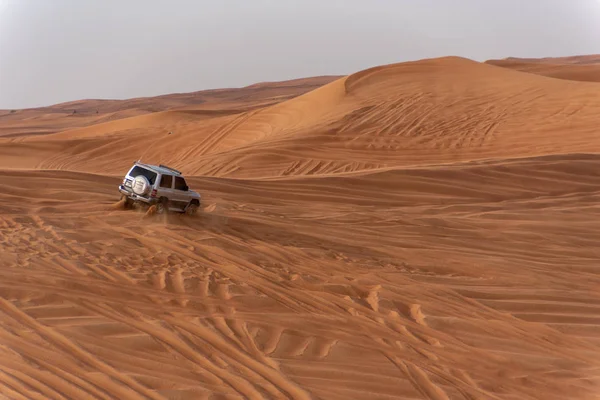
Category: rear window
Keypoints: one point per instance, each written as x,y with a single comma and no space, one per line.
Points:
150,175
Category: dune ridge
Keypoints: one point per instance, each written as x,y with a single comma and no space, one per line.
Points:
422,230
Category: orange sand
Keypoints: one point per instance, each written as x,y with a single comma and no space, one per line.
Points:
425,230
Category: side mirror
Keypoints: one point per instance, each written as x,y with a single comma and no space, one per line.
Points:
186,188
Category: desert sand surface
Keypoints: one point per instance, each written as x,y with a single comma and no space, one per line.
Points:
423,230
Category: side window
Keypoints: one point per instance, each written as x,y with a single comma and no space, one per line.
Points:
166,181
180,183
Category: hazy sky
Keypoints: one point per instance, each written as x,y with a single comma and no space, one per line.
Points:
53,51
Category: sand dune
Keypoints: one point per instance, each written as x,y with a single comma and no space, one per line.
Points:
584,68
576,72
81,113
580,59
425,230
421,113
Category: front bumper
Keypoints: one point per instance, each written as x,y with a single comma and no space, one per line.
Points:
135,197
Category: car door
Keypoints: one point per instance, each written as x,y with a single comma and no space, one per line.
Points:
166,187
180,193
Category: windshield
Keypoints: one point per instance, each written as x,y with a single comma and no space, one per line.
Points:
150,175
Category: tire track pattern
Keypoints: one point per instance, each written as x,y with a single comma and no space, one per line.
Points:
252,301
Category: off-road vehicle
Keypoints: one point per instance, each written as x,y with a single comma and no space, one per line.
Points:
161,186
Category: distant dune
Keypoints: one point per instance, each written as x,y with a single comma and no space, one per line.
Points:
44,120
578,68
421,230
576,60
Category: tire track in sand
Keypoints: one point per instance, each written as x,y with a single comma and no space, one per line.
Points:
132,388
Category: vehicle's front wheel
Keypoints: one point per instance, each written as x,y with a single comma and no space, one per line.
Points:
191,209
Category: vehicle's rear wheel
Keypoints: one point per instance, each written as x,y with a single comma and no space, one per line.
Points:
127,202
191,209
162,206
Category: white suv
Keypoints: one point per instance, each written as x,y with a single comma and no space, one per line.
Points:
159,185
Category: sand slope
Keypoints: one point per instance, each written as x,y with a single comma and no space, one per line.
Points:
425,230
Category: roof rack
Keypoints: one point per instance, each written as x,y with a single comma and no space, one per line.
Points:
169,168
